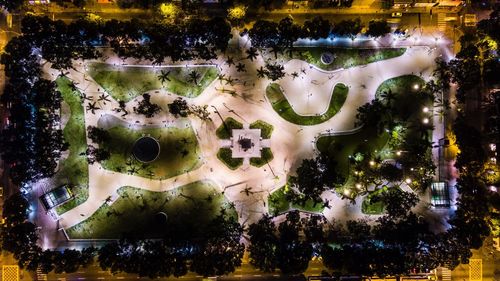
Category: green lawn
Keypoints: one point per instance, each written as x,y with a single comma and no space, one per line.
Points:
188,208
126,83
340,147
179,152
278,204
284,109
372,208
225,155
266,156
224,131
74,169
345,57
408,102
266,129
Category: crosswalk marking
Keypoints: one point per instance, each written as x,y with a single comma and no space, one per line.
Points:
441,22
445,274
475,269
10,273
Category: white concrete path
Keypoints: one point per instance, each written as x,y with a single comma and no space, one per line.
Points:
290,143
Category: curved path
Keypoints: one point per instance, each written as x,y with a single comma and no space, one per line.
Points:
290,143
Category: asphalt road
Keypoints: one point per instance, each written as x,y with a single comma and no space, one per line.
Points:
245,272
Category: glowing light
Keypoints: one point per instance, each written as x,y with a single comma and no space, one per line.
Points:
237,12
347,192
169,10
358,186
416,86
425,121
425,109
372,163
408,181
398,153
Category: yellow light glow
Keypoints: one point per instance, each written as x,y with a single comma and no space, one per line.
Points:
169,10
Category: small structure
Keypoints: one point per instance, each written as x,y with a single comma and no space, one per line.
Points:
246,143
56,197
146,149
440,195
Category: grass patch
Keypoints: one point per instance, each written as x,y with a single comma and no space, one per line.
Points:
189,209
407,102
225,155
74,169
266,129
126,83
266,157
284,109
224,131
340,147
179,152
344,57
278,203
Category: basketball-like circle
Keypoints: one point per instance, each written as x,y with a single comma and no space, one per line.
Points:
146,149
327,58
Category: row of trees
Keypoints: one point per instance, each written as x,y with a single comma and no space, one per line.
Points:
398,244
32,142
19,236
270,34
216,250
61,43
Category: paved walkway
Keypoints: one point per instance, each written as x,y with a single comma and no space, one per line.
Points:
290,143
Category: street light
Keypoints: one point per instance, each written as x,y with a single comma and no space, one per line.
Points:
425,109
425,120
408,180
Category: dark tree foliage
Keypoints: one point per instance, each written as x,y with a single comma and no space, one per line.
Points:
378,28
314,176
97,135
264,34
96,154
179,107
491,25
316,28
294,254
274,71
263,247
11,5
146,107
390,172
15,209
289,32
221,251
398,203
349,28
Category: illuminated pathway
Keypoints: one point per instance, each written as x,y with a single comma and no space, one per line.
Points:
290,143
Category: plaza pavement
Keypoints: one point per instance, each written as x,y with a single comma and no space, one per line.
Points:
290,143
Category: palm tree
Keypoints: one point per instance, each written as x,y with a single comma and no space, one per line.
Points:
164,76
104,98
247,191
388,96
92,107
230,81
261,72
294,75
240,67
230,61
221,77
252,53
194,76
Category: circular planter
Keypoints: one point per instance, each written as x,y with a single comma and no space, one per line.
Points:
146,149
